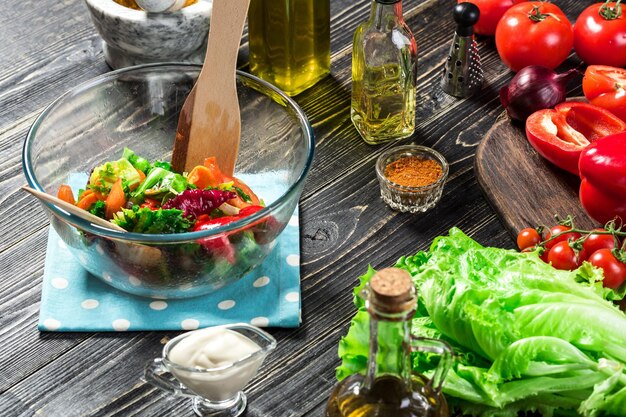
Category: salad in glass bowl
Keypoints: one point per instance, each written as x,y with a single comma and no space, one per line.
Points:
103,145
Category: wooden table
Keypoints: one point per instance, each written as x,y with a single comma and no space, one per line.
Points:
49,46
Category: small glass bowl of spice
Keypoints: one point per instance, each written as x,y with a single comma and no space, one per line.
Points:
411,177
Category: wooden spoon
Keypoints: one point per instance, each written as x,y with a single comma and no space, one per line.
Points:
209,123
70,208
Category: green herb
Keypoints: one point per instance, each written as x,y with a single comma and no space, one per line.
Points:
527,337
145,220
165,165
98,208
159,184
104,176
138,162
245,197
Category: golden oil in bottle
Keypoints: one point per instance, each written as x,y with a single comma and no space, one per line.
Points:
289,42
389,387
384,71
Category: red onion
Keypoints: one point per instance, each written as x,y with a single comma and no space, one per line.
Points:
534,88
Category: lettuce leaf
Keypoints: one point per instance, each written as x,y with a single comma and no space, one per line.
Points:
527,337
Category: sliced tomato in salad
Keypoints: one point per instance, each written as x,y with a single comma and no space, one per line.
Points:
561,134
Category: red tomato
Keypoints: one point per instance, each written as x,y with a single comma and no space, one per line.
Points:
562,256
595,242
600,34
528,238
534,33
555,230
560,135
490,13
614,270
606,87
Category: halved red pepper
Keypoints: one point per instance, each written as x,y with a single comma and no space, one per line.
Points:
603,174
560,134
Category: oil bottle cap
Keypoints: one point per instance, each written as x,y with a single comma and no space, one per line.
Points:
388,1
392,291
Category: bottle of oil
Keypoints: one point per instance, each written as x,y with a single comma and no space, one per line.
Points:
289,42
384,73
389,389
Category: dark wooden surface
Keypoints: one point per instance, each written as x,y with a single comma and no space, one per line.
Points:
49,46
524,188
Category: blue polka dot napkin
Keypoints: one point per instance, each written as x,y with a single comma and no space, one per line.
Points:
74,301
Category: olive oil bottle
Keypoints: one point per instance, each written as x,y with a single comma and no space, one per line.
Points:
388,388
384,72
289,42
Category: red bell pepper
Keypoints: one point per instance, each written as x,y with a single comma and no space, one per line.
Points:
603,174
561,134
220,244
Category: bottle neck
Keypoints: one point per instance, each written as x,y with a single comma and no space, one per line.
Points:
386,16
389,348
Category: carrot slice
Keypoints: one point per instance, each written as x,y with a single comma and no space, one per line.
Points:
65,193
200,176
218,176
87,200
242,185
115,200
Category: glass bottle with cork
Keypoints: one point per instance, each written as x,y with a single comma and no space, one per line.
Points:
289,42
384,74
389,389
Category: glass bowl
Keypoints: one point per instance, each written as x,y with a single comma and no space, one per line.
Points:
405,198
138,108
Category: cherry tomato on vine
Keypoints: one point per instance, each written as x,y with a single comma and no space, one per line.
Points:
528,238
563,238
490,13
595,242
614,270
600,34
562,256
534,33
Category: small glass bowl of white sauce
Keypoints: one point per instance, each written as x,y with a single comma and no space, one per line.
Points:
212,366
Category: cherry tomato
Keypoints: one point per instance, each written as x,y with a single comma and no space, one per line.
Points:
490,13
562,256
606,87
563,238
534,33
527,238
595,242
600,34
614,270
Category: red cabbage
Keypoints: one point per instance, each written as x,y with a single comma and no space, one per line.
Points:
196,202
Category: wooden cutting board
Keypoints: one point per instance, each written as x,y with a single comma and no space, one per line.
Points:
524,189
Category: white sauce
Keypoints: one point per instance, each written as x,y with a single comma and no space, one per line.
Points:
211,348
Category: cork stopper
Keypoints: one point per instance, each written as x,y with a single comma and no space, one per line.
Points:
392,291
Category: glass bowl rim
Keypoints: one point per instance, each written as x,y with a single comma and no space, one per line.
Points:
171,237
412,150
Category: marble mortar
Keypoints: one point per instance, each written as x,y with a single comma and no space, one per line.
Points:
132,37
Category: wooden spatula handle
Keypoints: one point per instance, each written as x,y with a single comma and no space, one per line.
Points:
215,103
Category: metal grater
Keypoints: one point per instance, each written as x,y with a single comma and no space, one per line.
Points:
462,74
